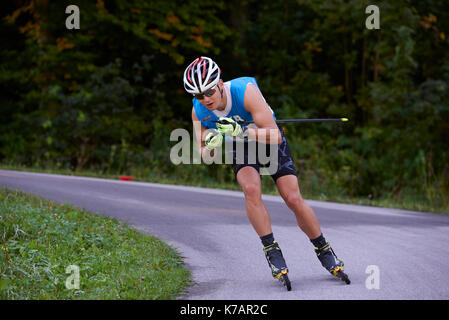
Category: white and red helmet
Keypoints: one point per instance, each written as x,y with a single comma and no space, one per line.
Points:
202,74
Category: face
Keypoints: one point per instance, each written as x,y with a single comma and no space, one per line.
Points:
212,98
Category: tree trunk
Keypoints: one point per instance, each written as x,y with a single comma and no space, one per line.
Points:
41,16
376,61
363,82
347,72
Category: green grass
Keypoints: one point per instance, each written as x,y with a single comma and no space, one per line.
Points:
311,187
39,239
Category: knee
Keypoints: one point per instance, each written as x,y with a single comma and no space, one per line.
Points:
252,192
294,199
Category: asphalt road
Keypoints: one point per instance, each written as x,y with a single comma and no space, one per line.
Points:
389,254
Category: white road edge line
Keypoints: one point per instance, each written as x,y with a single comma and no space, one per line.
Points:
231,193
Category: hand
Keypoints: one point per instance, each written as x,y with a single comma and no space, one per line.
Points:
213,139
228,127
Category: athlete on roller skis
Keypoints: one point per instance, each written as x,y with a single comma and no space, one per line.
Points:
217,105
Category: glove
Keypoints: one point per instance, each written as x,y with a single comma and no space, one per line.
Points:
213,140
228,127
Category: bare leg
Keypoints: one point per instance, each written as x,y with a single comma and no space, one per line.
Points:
249,180
305,216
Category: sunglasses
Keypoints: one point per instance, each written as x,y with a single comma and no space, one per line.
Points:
208,93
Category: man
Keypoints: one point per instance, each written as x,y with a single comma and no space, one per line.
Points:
217,104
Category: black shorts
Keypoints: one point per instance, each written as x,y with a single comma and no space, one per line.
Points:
281,164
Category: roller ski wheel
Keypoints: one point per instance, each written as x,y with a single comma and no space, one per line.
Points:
331,263
339,273
285,280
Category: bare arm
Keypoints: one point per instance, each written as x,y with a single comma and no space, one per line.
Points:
267,131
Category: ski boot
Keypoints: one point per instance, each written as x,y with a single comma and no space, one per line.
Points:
277,264
332,264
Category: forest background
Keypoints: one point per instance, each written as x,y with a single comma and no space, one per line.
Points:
104,98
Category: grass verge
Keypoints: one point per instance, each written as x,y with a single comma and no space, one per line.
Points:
40,240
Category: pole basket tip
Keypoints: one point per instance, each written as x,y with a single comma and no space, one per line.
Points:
344,119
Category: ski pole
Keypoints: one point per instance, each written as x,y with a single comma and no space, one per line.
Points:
298,120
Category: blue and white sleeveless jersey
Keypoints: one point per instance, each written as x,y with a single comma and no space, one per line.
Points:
235,108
